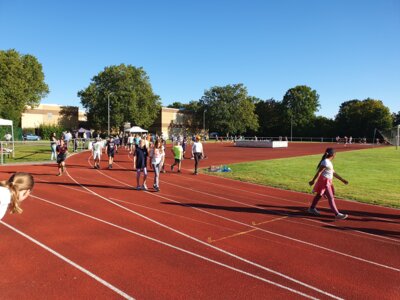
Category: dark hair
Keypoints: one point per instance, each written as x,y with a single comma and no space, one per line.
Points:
329,152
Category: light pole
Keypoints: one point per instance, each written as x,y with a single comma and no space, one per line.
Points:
108,111
204,121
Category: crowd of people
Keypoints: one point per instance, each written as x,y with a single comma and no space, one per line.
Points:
147,150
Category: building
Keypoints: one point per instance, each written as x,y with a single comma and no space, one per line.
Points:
172,121
52,114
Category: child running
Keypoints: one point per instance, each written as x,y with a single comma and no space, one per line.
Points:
62,151
324,185
156,160
177,151
141,162
13,191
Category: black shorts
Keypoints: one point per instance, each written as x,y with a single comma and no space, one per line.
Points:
61,157
177,161
110,154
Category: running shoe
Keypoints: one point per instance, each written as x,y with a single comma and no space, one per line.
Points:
138,188
144,187
340,216
313,211
156,188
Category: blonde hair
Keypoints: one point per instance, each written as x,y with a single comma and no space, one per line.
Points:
19,181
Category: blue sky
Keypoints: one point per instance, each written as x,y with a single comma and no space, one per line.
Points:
344,49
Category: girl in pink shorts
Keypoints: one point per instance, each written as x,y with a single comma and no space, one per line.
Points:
324,185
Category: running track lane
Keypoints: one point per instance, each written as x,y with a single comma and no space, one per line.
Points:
151,270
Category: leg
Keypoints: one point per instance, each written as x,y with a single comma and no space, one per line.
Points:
315,201
138,178
196,161
331,200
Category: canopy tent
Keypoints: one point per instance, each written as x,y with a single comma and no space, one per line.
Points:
136,129
4,122
82,130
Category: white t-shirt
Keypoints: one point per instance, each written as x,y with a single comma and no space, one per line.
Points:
328,171
5,199
197,147
157,156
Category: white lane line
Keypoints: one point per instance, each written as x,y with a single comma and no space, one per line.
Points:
202,242
80,268
178,248
261,229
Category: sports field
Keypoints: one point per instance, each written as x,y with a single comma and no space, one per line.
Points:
372,173
89,235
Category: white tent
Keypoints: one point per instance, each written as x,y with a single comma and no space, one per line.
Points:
4,122
136,129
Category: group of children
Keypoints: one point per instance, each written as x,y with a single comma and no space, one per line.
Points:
19,186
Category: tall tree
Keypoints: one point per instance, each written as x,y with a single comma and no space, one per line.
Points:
300,105
396,118
360,118
21,84
229,109
129,92
269,114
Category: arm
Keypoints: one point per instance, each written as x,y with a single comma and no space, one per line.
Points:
336,175
320,170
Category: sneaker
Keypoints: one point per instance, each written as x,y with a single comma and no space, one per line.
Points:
156,188
340,216
59,174
172,168
144,187
138,188
179,171
313,211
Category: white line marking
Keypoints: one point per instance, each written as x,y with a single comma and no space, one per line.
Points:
200,241
261,229
87,272
178,248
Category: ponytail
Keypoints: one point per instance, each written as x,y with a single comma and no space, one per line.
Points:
329,152
14,203
18,182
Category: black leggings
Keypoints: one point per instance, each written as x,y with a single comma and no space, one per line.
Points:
197,157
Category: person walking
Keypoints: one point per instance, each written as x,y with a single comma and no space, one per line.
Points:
53,146
157,154
13,191
97,150
177,151
324,185
197,153
141,154
111,148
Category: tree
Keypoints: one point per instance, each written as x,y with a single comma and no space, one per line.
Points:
396,118
269,114
177,105
229,109
360,118
300,105
21,84
131,98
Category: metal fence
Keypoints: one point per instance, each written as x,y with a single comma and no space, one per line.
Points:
36,148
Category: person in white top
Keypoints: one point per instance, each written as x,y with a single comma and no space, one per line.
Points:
97,150
13,191
156,156
324,185
197,153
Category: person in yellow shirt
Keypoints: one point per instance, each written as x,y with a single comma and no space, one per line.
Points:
177,151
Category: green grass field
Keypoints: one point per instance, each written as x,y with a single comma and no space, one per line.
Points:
33,152
373,174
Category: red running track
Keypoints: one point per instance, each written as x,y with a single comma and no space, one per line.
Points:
89,235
